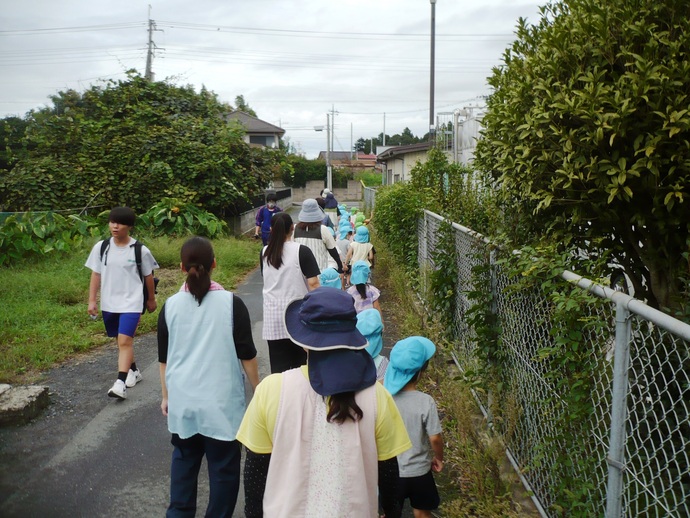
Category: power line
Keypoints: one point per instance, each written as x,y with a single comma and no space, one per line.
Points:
83,28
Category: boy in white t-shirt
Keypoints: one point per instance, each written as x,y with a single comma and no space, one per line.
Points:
115,272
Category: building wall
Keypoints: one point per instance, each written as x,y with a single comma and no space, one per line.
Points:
353,192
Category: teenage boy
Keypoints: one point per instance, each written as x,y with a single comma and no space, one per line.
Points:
263,218
116,273
408,359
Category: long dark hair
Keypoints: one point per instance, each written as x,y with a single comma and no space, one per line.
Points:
342,407
281,224
362,290
197,258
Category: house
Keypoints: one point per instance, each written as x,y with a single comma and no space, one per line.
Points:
257,132
338,158
398,161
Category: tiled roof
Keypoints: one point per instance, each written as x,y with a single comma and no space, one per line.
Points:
403,150
254,125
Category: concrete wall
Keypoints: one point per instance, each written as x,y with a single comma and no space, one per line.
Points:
353,192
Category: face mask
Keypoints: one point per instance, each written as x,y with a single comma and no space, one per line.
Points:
271,204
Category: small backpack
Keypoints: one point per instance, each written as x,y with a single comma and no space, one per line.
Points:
105,245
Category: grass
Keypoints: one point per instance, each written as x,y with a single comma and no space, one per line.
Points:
370,177
44,320
472,483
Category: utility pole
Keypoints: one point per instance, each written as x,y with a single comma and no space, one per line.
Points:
333,112
148,75
384,128
329,173
432,67
352,144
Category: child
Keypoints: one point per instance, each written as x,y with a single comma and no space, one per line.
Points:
366,295
343,244
360,248
370,325
263,218
116,274
205,348
408,360
331,278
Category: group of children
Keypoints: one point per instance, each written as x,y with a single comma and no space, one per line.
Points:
399,374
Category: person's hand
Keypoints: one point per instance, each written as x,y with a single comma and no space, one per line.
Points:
256,236
436,465
151,305
164,406
93,309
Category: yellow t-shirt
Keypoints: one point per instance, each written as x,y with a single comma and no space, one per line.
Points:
256,429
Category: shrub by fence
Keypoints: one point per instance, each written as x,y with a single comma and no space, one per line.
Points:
587,387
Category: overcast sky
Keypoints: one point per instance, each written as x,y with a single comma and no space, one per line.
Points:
293,60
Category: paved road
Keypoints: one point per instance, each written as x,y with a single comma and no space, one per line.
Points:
92,456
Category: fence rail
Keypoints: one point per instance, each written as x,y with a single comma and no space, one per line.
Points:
639,433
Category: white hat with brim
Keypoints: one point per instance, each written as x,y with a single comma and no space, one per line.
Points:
311,212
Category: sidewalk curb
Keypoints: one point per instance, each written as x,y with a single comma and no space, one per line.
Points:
20,404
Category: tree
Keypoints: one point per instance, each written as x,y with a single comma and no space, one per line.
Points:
134,142
242,106
360,145
587,134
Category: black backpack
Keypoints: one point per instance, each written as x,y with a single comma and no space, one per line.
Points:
105,245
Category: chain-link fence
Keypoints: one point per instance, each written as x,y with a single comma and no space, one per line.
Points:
369,199
636,440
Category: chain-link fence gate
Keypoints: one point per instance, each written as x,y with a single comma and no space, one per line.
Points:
638,437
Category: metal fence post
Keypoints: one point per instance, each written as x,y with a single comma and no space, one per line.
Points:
619,410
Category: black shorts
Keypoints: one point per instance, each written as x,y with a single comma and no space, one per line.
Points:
421,491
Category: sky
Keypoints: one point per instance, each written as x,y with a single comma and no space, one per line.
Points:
294,61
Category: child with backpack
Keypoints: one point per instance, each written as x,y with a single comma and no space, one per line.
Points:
365,295
120,268
408,360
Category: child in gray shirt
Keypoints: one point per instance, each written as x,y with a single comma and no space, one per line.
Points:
408,359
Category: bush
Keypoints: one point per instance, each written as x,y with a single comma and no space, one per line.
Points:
172,217
398,208
39,234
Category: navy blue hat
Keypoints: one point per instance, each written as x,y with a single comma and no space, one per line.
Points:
325,323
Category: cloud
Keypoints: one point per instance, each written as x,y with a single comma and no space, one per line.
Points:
293,60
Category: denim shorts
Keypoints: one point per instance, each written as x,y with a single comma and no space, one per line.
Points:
120,323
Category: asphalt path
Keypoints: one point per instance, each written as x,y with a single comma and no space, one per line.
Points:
93,456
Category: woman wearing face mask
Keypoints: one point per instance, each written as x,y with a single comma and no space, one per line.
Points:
263,218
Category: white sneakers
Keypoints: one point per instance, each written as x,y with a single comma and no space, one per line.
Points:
133,377
118,390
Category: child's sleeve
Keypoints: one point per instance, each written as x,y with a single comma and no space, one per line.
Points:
433,424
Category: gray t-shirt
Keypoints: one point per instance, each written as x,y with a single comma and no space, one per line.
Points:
420,415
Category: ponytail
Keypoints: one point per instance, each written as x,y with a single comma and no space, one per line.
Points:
281,224
342,407
362,290
197,259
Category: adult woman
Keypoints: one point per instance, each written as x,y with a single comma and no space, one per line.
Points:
321,438
290,271
311,233
204,334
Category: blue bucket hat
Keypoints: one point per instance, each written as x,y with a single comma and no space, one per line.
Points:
370,325
362,234
360,273
344,232
330,278
325,323
406,359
